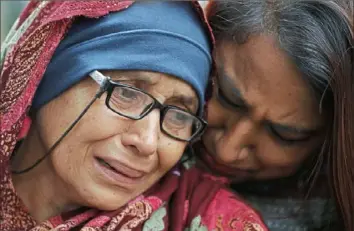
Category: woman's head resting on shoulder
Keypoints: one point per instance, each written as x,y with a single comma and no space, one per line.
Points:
157,58
283,92
281,68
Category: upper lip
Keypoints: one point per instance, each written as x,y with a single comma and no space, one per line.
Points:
123,168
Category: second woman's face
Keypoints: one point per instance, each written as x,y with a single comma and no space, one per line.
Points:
264,121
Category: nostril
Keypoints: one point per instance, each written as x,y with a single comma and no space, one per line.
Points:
242,154
250,148
133,149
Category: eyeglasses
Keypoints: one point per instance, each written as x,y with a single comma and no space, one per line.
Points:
135,104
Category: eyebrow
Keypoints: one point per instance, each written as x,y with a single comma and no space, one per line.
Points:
146,78
225,80
189,101
231,84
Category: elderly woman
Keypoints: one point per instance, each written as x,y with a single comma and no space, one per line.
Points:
281,117
120,94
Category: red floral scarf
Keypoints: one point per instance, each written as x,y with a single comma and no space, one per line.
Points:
184,198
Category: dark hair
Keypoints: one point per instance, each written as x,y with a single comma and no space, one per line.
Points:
318,36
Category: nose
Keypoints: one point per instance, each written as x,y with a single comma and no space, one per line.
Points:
142,136
238,141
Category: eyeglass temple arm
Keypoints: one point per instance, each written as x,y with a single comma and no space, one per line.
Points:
101,79
98,77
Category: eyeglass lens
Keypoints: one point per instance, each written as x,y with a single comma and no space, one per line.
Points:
134,104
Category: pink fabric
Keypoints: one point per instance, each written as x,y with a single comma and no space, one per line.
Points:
228,212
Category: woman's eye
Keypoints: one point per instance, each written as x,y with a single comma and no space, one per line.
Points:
180,123
178,119
288,137
128,94
124,98
225,101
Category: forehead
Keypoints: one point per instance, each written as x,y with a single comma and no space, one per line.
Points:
268,80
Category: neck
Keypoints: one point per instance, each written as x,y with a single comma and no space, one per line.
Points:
40,190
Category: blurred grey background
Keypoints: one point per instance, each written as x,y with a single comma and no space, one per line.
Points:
9,12
10,9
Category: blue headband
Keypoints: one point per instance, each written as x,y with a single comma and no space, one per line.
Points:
166,37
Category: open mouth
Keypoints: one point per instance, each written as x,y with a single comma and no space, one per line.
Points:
118,173
104,163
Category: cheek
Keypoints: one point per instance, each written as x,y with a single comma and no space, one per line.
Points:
216,113
276,157
72,156
50,125
99,124
69,161
169,153
211,137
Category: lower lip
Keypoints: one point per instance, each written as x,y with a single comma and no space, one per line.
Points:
116,177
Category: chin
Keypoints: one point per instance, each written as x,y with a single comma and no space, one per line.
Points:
102,199
108,203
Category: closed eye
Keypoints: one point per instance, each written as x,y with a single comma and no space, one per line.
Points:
227,94
289,135
222,98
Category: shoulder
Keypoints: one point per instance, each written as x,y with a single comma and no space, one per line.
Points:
229,212
213,207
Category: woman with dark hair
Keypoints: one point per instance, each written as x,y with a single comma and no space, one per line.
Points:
281,119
